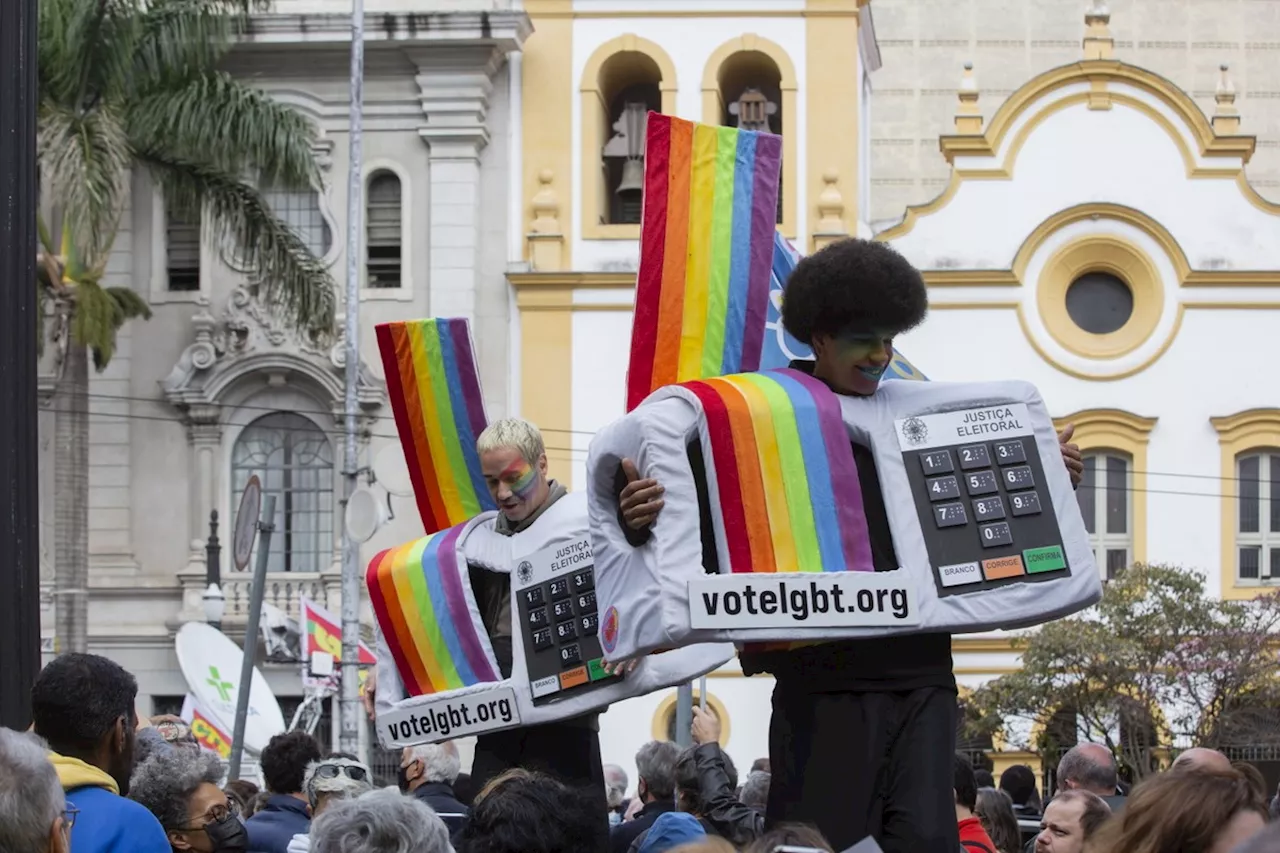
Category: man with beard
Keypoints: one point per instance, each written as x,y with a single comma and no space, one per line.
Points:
83,707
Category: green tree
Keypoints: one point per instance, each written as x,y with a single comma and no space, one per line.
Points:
126,85
1155,660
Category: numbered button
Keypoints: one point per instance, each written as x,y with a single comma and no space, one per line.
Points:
538,617
974,456
989,509
570,656
1011,452
1019,477
995,535
587,602
1025,503
936,462
542,639
566,631
534,597
559,589
589,624
943,489
583,581
950,515
981,483
563,609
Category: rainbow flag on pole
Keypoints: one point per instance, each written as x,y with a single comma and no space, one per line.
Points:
322,634
434,389
706,246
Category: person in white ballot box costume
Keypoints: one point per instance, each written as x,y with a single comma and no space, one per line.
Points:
862,737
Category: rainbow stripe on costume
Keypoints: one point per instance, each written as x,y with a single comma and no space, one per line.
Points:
706,249
418,591
434,390
787,484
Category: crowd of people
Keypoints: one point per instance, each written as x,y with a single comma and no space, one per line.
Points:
92,776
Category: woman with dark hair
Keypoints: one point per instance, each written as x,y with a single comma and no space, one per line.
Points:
995,811
524,812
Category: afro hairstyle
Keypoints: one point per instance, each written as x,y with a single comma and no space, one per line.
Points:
854,284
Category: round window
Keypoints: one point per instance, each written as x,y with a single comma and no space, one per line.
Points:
1099,303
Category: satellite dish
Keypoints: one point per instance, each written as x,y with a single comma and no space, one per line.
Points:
365,514
391,471
211,665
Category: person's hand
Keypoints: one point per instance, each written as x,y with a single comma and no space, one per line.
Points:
641,500
1071,455
705,728
633,809
622,667
370,694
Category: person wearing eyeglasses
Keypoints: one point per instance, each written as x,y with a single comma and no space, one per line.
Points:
180,787
332,779
34,815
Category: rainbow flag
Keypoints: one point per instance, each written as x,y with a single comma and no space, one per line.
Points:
788,487
418,592
434,389
706,246
322,632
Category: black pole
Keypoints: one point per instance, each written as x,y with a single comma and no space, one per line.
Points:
19,505
213,554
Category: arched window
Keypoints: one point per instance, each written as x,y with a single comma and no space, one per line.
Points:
1258,515
293,459
383,231
630,86
751,96
1104,501
301,210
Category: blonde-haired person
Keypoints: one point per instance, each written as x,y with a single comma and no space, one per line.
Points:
1185,811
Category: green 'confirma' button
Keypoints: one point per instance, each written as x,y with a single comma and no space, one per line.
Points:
596,669
1044,559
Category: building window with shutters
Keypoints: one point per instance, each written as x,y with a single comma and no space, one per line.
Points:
1104,498
182,251
383,231
1258,516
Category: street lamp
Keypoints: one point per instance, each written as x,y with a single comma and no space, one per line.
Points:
215,604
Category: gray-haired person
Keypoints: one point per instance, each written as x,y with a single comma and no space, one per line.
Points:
379,822
180,787
33,810
328,781
429,772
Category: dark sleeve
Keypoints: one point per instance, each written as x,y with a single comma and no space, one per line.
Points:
635,538
738,823
486,586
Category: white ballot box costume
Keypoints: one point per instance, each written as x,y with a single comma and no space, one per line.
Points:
557,668
985,524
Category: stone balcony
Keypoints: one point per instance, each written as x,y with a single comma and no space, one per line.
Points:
283,590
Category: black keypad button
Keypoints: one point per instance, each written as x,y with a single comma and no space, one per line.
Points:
981,483
538,617
566,630
587,602
1019,477
563,609
559,589
533,596
995,535
1011,452
570,656
950,515
943,489
589,624
936,462
1024,503
988,509
974,456
583,581
542,639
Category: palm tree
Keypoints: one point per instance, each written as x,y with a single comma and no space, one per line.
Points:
135,84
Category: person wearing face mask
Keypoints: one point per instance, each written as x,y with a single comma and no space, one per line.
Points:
427,773
180,787
83,707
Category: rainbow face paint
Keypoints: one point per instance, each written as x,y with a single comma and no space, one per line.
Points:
521,479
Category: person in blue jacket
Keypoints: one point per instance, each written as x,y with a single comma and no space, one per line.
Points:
286,814
83,707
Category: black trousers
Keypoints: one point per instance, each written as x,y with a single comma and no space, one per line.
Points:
568,751
859,764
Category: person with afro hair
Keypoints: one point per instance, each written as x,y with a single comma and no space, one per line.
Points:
862,737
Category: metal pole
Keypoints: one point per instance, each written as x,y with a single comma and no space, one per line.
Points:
19,503
349,714
213,554
684,715
266,526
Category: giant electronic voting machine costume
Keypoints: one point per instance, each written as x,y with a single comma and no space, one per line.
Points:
438,677
984,521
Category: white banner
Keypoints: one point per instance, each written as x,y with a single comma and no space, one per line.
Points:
947,429
826,600
447,719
